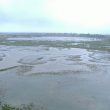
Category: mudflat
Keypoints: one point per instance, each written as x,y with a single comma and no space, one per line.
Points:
55,73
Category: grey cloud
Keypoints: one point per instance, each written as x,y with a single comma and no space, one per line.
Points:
31,15
26,12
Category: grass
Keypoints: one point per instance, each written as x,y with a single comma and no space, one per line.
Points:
29,106
103,44
7,107
10,107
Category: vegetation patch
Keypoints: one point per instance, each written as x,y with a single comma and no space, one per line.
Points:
29,106
74,58
102,44
5,69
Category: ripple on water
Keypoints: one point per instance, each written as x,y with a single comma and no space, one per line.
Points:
101,57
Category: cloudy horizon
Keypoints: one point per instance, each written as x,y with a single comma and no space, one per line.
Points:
76,16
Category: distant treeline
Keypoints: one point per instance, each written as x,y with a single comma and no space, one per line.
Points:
52,35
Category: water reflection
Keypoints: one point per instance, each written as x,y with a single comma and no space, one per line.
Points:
53,39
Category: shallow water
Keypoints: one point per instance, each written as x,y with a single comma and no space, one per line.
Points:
55,78
53,39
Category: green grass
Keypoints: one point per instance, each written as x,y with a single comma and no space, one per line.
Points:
103,44
22,107
7,107
29,106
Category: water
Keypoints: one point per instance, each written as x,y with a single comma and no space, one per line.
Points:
55,78
73,91
53,39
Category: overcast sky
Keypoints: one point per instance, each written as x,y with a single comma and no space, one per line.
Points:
82,16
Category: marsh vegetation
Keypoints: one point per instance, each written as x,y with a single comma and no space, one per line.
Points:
54,73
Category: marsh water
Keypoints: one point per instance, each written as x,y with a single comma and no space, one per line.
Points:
56,73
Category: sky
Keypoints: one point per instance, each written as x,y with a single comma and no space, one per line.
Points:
76,16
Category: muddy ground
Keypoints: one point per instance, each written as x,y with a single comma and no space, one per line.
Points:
67,73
